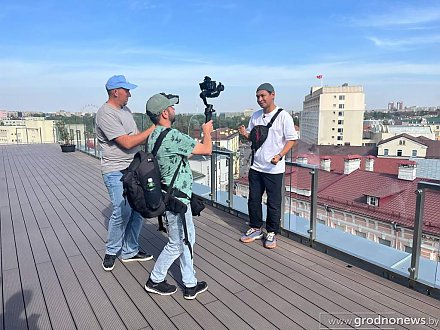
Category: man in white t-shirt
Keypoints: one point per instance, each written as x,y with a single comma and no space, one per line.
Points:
268,167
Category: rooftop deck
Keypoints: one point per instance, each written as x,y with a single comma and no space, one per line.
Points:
53,211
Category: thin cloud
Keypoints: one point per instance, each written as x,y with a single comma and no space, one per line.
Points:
409,16
407,43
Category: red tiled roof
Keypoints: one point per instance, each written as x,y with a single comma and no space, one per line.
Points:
351,157
381,165
399,206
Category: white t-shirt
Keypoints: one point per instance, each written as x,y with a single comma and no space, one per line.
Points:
282,130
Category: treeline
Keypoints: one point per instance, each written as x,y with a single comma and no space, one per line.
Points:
186,123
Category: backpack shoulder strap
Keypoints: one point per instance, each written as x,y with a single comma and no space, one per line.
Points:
274,117
159,141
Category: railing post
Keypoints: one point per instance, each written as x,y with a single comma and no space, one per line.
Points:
417,236
283,201
94,143
313,206
230,200
213,177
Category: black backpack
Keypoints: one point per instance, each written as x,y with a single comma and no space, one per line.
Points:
143,189
142,182
259,133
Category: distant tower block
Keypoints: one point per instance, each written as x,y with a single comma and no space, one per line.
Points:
391,106
400,105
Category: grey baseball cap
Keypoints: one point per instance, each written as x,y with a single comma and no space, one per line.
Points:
266,87
159,102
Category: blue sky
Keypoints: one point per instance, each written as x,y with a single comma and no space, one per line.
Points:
57,55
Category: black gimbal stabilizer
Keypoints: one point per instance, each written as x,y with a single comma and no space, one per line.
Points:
209,89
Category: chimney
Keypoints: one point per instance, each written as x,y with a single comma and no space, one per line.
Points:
407,170
325,163
302,159
351,163
369,164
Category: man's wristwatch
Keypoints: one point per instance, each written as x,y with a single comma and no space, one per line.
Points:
281,157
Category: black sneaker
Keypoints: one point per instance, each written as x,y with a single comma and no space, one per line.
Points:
191,293
162,288
141,256
109,262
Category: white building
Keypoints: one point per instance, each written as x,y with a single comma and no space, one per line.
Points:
333,115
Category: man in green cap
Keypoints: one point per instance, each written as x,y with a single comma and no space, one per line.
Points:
171,156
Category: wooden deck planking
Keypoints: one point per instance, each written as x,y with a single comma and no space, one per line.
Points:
364,299
58,206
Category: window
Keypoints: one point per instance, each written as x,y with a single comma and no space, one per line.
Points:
361,234
341,97
340,122
341,106
384,241
340,138
371,200
399,153
408,249
340,130
322,222
341,113
385,152
402,142
414,153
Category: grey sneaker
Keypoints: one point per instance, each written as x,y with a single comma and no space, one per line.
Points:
191,293
109,262
161,288
251,235
271,241
141,256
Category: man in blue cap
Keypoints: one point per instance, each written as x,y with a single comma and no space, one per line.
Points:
119,140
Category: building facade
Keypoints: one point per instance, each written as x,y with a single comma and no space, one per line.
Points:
228,138
29,131
333,116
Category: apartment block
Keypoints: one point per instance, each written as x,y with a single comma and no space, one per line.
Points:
333,115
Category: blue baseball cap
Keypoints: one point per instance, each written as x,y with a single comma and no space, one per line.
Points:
119,82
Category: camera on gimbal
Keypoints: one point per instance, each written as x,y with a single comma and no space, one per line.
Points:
209,89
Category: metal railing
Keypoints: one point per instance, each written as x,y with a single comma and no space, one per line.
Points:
313,200
310,234
418,229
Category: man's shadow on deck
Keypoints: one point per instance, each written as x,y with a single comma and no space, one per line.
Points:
14,316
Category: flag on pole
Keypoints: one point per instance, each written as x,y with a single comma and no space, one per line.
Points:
319,76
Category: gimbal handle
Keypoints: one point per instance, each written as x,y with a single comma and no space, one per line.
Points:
209,108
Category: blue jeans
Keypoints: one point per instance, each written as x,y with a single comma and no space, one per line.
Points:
125,224
176,248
